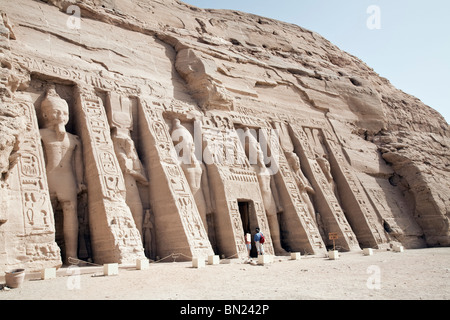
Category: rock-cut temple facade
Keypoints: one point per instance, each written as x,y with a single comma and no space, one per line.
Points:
137,129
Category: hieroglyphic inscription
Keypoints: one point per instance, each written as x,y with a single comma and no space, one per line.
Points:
313,234
102,147
236,224
223,147
163,142
358,192
179,187
263,225
37,210
116,215
122,226
337,220
54,69
228,155
180,108
249,117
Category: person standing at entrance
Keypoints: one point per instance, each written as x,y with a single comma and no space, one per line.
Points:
248,243
259,241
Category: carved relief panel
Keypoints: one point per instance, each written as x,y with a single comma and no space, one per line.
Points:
286,180
32,228
120,116
358,192
180,193
38,213
328,165
238,180
331,214
102,147
110,217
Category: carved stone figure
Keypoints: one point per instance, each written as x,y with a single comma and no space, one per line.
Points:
208,91
265,179
383,151
303,184
84,237
148,236
194,170
253,149
133,173
64,165
326,169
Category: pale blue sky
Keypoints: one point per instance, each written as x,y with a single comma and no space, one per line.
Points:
412,48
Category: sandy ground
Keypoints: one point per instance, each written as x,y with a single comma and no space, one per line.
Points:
386,275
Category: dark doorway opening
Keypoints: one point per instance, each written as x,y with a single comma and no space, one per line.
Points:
245,211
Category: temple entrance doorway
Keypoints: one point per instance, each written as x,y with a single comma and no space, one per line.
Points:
248,218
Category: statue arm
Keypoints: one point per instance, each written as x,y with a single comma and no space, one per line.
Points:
127,164
138,171
310,190
306,183
78,157
139,176
122,160
325,166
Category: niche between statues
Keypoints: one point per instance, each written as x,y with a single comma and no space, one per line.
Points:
188,143
122,112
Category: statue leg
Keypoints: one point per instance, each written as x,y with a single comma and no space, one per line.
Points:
134,202
274,227
70,228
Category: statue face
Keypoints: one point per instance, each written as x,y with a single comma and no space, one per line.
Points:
176,122
293,160
56,113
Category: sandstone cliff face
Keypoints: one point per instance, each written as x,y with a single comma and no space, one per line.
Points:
388,153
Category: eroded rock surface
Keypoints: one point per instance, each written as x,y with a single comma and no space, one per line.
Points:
374,161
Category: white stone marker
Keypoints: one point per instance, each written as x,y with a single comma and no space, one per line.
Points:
265,259
333,254
368,251
295,256
198,262
142,264
111,269
48,273
398,248
212,260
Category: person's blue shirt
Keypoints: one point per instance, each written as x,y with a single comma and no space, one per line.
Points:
257,236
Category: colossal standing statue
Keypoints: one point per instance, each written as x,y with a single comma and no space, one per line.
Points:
265,177
64,165
133,173
302,182
194,170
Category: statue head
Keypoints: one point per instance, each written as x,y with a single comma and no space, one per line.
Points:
321,157
183,142
176,122
55,110
293,160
